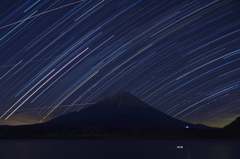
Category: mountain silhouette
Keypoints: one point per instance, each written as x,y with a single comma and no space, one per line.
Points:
120,110
232,130
233,126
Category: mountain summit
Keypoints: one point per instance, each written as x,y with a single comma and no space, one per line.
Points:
122,100
120,110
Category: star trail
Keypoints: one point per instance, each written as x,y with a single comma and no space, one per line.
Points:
181,57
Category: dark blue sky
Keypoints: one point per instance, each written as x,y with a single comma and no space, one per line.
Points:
181,57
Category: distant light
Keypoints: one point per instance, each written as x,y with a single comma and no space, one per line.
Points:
186,127
179,147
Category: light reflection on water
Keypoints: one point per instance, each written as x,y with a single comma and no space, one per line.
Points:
120,149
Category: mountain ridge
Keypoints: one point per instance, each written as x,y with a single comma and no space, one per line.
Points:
119,110
234,125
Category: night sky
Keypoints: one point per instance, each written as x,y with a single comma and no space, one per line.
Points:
181,57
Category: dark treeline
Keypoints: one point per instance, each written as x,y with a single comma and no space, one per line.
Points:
169,132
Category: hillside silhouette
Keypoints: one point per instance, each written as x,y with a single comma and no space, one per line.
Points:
119,110
119,116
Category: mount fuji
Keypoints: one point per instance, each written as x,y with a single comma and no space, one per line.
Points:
120,110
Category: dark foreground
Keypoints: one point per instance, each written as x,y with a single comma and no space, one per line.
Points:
119,149
169,132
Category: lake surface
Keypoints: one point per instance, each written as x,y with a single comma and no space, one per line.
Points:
119,149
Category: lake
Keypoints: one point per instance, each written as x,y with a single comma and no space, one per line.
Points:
119,149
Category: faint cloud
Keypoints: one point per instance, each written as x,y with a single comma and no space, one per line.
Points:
23,118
